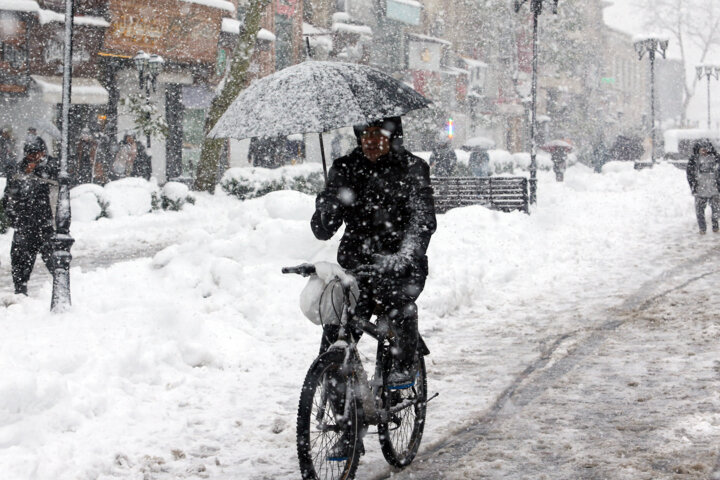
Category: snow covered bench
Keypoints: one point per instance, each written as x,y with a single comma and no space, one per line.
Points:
497,193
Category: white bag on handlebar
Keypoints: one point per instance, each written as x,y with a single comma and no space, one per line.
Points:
322,302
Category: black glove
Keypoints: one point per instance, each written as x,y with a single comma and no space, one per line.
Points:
329,207
394,265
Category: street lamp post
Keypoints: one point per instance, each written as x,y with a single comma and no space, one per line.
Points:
708,71
148,67
536,7
62,241
651,44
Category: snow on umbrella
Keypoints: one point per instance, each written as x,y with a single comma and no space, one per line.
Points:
315,97
557,145
478,143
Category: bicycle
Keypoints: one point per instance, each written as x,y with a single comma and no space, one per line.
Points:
338,403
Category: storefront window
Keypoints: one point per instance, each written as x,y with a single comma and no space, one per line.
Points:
193,124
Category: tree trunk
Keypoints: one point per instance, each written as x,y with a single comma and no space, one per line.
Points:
235,80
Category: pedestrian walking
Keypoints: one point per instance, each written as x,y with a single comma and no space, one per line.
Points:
559,160
479,163
85,156
8,154
703,174
142,166
124,160
27,204
443,159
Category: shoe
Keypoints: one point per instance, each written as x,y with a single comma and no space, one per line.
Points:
702,232
340,452
400,380
716,229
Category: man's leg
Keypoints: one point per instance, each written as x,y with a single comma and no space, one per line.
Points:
399,298
715,215
700,204
22,258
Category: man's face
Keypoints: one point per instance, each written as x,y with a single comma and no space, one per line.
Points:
704,151
33,160
374,143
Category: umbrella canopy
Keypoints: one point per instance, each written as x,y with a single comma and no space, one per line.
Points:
557,145
478,143
315,97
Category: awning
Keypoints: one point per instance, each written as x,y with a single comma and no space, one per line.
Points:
84,90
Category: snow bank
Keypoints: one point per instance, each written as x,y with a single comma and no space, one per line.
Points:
192,360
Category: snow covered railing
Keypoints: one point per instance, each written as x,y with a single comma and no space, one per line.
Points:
496,193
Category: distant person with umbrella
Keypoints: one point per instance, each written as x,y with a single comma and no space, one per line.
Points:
559,150
443,159
703,174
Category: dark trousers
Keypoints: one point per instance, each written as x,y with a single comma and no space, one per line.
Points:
701,204
394,298
26,244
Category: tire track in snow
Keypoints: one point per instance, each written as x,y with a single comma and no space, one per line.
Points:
442,455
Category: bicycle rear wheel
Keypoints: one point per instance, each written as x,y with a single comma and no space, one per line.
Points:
326,420
400,436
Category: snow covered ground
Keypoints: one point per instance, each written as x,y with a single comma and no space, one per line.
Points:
189,364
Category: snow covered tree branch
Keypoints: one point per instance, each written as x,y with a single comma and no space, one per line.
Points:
235,80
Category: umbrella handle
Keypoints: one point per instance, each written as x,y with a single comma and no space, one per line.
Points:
322,154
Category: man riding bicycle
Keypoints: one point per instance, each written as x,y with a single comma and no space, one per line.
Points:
383,194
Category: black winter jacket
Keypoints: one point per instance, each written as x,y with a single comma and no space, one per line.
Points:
27,198
387,208
692,166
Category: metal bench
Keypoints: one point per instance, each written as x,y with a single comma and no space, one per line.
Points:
497,193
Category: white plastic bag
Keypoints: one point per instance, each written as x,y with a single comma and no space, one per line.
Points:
321,301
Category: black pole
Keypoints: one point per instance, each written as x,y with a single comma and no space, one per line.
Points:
62,241
147,111
322,155
536,5
708,88
652,102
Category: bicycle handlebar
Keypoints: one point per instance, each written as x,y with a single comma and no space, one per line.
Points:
305,269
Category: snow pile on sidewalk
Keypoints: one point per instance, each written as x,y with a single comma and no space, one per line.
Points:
189,364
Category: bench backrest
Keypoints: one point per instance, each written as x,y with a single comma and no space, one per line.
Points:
497,193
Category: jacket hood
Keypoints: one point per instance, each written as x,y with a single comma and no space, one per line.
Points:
390,124
706,144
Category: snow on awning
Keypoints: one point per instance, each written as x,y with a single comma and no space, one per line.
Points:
455,71
472,63
221,4
47,16
352,28
427,38
230,25
309,29
84,90
266,35
19,5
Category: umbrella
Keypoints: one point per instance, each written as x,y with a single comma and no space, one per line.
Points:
315,97
557,145
478,143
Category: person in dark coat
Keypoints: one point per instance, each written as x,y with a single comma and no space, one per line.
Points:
703,175
142,167
85,156
479,163
27,205
383,194
559,159
7,152
443,159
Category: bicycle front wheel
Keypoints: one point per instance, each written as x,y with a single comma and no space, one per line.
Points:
400,435
327,422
